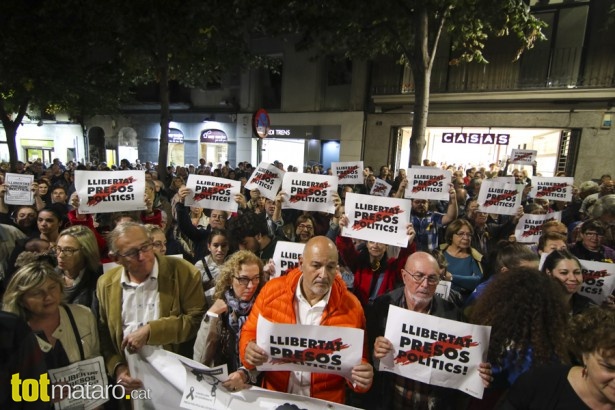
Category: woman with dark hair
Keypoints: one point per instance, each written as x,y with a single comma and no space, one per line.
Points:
528,322
590,246
217,340
587,386
566,269
218,245
464,262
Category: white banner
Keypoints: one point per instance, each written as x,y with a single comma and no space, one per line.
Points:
529,227
87,374
555,189
309,192
499,198
110,191
428,183
212,192
523,156
348,173
385,222
318,349
18,189
598,280
444,289
380,188
436,351
286,257
267,178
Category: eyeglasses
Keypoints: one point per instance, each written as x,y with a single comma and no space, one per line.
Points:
243,281
66,251
134,253
594,234
419,277
464,234
304,227
219,217
159,244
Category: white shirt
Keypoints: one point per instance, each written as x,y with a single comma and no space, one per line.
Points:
140,301
299,382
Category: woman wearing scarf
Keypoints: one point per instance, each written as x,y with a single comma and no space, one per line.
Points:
237,286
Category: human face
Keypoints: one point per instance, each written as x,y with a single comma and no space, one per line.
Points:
462,238
553,245
59,196
601,375
269,207
217,219
376,249
25,217
47,223
42,189
43,300
607,188
249,243
139,265
419,207
370,180
71,263
218,248
419,293
568,272
251,273
160,243
319,267
592,240
305,231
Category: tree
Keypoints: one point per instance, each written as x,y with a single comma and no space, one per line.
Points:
411,30
50,62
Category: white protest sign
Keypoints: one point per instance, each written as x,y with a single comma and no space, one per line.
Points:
510,180
201,387
436,351
18,189
89,375
444,289
598,280
212,192
529,227
523,156
428,183
308,348
309,192
110,191
555,189
385,222
267,178
286,257
348,173
380,188
499,198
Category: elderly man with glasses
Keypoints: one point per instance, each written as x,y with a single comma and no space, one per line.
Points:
148,300
421,275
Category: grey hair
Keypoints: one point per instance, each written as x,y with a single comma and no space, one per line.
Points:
120,230
604,205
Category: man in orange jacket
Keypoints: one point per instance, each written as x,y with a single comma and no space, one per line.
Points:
313,294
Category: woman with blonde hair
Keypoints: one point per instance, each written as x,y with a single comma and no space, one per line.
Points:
240,280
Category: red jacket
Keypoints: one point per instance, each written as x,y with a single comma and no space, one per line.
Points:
363,274
275,302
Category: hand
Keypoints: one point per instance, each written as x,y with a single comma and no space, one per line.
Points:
235,381
343,220
74,200
452,193
34,188
382,347
122,377
403,184
484,369
137,339
269,269
241,200
183,193
218,307
255,356
279,198
362,376
337,201
518,215
410,232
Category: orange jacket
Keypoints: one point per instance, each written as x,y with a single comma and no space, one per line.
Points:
275,303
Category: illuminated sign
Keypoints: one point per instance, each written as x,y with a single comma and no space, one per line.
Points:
475,138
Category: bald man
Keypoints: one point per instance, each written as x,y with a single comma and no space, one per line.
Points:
312,294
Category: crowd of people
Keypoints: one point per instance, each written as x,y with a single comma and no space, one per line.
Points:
58,307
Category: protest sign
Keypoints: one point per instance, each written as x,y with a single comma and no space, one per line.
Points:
18,189
88,384
385,222
499,198
436,351
444,289
555,189
598,280
106,192
267,178
348,173
309,192
529,227
212,192
380,188
286,257
510,180
523,156
308,348
428,183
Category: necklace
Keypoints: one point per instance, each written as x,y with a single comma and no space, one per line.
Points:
375,266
